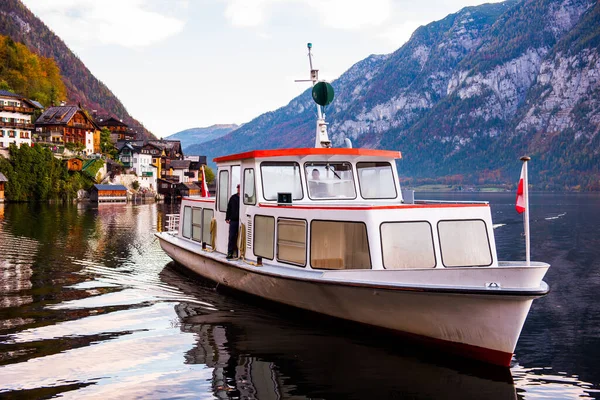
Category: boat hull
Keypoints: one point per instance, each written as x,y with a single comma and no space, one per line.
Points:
479,326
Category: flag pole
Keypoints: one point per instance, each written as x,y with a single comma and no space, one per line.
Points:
525,159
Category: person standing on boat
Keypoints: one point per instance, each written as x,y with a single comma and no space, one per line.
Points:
232,217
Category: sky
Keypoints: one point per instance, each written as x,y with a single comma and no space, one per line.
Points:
180,64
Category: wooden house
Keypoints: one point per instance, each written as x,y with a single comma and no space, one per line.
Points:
3,180
184,189
118,129
74,164
108,193
170,151
68,124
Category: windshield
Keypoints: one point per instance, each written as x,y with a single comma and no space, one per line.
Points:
332,180
376,180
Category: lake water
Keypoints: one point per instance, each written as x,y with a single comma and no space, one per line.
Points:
90,307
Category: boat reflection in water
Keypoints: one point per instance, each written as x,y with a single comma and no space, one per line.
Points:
256,353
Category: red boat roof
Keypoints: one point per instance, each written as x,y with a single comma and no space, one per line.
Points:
335,151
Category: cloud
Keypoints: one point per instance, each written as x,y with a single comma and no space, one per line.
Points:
338,14
132,23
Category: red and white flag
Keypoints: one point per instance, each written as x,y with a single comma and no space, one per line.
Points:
521,201
204,189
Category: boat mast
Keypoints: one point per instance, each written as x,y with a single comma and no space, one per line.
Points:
321,137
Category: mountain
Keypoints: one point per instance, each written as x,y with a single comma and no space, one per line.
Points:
465,97
21,25
191,138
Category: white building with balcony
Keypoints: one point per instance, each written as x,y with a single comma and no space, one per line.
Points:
15,119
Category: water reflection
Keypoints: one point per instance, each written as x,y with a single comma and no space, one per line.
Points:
88,309
256,353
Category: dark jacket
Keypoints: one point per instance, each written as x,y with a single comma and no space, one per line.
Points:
233,208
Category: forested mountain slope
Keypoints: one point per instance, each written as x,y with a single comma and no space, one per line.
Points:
20,24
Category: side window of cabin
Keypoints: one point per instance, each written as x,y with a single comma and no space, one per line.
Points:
291,241
264,234
281,177
197,224
407,245
207,217
249,186
187,222
464,243
339,245
376,180
223,194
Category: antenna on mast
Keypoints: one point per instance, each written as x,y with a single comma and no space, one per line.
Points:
322,94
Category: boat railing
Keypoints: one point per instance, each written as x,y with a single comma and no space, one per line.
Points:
172,224
449,202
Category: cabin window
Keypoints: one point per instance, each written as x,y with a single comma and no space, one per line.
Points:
235,177
197,224
339,245
407,245
291,241
223,194
330,180
376,180
464,243
280,177
187,222
206,220
264,233
249,186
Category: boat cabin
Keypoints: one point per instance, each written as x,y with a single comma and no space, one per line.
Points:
337,209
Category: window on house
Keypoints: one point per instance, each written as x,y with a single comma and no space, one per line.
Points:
339,245
264,233
464,243
223,194
376,180
291,241
407,245
280,177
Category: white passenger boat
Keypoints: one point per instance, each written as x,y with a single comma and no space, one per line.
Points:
329,230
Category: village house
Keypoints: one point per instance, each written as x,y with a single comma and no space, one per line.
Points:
119,131
171,150
178,171
74,164
69,124
3,180
184,189
137,158
108,194
15,119
195,170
